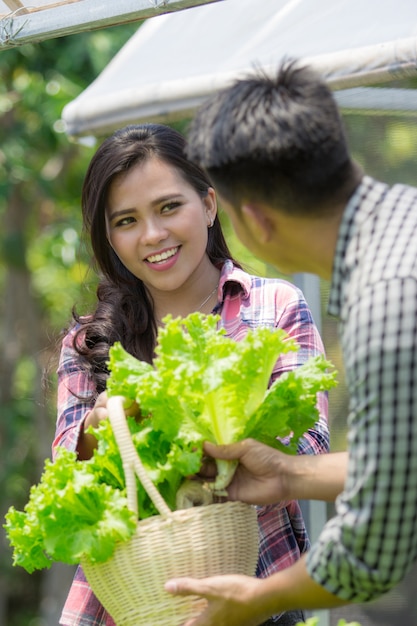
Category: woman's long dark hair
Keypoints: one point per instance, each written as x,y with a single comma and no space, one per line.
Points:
124,310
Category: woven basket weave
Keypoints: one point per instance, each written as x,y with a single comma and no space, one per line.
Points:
198,542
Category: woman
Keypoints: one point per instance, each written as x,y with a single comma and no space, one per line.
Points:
152,218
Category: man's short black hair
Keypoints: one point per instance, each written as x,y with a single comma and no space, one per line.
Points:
279,140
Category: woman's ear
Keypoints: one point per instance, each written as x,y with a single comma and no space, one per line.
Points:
210,202
258,222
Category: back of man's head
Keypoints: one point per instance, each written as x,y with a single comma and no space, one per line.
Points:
278,140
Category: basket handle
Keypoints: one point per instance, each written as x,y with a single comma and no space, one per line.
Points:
131,462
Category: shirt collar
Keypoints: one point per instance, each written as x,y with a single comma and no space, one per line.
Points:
232,274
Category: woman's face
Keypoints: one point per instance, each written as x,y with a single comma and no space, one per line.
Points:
157,225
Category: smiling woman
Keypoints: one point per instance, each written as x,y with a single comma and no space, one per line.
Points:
157,240
157,224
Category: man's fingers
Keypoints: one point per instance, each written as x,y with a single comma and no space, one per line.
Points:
186,586
190,586
208,469
230,452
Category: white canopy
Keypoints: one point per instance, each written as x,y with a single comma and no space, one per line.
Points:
174,61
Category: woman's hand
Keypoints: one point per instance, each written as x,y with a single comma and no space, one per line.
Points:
98,412
87,442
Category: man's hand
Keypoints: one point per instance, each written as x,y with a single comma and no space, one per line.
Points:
245,601
267,476
260,477
232,600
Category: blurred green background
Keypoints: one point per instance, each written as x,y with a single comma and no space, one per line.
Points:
44,268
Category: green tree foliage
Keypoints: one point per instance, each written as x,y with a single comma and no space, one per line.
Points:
43,267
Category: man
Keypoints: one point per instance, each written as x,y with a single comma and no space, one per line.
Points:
276,151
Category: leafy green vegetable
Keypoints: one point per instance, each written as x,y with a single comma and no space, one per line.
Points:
70,515
206,386
201,386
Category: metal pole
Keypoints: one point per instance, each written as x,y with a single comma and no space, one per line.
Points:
314,511
34,25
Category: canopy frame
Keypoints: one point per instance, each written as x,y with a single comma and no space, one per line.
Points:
29,24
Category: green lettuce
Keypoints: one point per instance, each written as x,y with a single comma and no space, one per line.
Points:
70,515
202,386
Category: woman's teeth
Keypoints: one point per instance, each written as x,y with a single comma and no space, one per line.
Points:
159,258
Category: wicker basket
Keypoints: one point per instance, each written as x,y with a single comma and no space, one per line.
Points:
198,542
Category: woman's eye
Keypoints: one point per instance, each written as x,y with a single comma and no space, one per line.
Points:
124,221
169,207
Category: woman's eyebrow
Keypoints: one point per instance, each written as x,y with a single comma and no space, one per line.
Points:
118,213
166,198
159,200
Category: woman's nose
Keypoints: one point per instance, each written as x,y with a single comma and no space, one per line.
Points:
153,231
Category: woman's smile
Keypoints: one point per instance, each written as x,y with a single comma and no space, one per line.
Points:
164,259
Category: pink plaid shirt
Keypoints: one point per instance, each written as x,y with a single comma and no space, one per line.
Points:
245,302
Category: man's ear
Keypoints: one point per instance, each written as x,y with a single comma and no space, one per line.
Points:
258,221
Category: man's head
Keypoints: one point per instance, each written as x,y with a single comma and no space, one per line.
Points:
278,141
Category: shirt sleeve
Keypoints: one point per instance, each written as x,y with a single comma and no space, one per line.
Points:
76,396
371,542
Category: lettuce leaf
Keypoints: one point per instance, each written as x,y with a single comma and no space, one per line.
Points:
206,386
70,515
202,386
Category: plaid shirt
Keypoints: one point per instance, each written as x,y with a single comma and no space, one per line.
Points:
245,302
372,540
